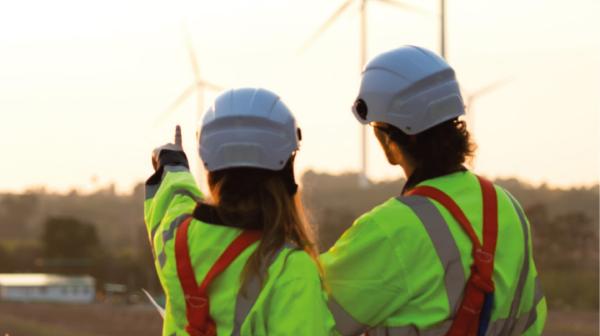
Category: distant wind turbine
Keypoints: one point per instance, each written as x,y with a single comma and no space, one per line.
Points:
199,86
363,181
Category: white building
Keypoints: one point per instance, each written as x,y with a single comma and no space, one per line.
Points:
47,288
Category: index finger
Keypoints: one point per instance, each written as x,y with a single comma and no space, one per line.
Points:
178,135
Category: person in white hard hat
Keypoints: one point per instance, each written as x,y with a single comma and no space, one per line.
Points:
451,255
245,263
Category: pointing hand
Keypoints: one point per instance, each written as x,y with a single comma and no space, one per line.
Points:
173,147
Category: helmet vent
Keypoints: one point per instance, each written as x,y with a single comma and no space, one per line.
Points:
241,154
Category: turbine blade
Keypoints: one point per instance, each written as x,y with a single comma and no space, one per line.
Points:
175,104
192,53
325,25
405,6
489,88
211,86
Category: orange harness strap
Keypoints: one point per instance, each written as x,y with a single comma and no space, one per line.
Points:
196,297
480,285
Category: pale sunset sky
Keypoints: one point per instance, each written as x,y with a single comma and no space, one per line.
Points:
82,83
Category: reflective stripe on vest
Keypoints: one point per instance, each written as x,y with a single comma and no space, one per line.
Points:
170,232
444,244
440,235
522,323
511,323
344,322
245,301
150,190
168,235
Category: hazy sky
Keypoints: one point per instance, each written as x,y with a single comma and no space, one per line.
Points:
82,83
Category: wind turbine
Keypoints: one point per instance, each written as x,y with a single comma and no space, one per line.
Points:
199,86
362,179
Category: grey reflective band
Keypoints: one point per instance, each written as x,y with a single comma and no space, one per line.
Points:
187,193
174,169
511,323
244,303
537,298
150,191
246,300
444,244
170,232
153,233
183,192
344,322
168,235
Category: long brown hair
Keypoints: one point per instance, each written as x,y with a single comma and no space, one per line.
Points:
260,198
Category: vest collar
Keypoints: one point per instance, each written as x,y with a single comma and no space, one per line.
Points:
420,174
209,214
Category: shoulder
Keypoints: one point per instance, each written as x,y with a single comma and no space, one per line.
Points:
504,194
380,232
295,264
388,217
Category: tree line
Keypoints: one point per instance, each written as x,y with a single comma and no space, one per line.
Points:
103,233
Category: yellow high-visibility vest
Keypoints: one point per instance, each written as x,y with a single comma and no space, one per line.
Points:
402,267
291,300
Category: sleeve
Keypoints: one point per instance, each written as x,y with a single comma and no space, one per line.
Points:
538,319
533,308
170,192
536,309
299,307
364,276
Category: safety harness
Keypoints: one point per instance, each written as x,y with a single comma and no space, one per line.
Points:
196,297
474,313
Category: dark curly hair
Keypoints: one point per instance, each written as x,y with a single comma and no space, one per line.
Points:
438,151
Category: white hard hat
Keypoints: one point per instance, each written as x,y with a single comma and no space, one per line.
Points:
410,88
248,128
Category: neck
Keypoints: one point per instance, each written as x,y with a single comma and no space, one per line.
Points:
408,170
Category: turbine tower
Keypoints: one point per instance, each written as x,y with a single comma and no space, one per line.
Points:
443,28
362,4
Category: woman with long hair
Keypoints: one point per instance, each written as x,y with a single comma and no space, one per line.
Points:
244,263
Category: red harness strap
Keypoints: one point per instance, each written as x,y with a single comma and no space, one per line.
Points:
480,282
196,297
